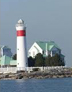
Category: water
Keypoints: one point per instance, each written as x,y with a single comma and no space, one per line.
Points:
37,85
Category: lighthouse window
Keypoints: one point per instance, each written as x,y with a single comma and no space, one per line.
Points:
17,49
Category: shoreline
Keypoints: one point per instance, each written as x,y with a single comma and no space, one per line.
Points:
53,73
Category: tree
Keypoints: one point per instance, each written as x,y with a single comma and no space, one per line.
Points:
63,63
14,57
31,61
56,61
47,60
39,60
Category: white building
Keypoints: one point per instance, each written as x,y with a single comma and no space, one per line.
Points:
45,48
5,50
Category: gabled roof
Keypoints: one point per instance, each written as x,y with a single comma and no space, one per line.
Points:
3,46
50,45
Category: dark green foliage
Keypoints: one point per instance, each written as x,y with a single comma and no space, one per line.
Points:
31,61
47,60
63,63
14,57
39,60
58,61
54,61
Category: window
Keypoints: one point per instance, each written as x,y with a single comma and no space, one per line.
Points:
53,52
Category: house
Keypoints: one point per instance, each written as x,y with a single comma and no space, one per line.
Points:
7,61
45,48
5,50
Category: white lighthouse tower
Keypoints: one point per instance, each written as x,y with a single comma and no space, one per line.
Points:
21,46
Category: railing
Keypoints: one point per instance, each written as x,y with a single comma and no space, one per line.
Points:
29,69
8,70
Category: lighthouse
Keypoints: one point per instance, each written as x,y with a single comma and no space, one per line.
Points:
21,46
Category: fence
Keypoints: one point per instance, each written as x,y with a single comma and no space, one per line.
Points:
29,69
8,70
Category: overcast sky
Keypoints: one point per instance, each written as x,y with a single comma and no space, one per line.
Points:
46,20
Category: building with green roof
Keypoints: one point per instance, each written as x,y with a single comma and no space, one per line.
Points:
45,48
47,45
7,61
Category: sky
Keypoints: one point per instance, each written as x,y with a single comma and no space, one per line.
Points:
46,20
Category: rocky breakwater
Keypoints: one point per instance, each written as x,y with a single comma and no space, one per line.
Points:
52,73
